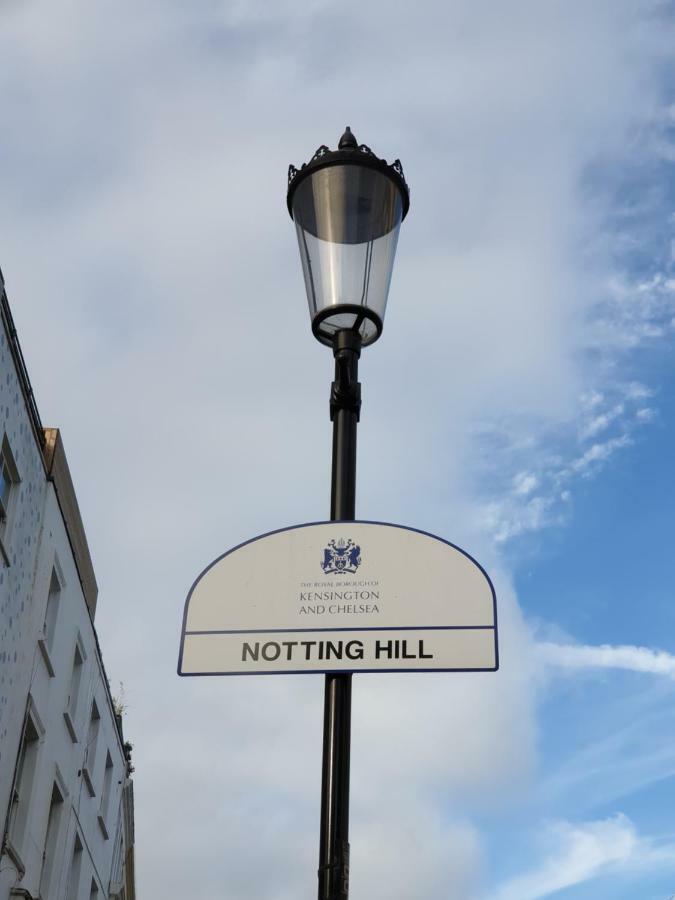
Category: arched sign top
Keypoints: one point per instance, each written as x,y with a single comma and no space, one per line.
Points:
342,597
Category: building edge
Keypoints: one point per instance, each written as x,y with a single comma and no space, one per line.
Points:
51,452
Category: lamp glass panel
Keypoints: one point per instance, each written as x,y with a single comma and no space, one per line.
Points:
347,219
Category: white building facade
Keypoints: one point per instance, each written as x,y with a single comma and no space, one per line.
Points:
66,796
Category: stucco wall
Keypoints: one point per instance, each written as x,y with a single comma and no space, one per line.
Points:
63,752
20,538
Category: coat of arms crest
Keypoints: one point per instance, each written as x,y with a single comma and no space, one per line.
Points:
340,557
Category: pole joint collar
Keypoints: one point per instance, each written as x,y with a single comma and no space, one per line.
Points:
345,395
345,391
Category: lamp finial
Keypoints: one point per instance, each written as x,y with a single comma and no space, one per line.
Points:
348,141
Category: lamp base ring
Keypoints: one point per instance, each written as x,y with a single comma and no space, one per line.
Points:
326,335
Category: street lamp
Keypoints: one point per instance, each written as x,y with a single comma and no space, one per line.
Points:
347,205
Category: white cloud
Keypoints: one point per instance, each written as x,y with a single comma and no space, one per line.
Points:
524,483
635,312
598,453
439,857
601,422
581,852
605,656
539,497
646,414
637,391
511,517
591,400
520,510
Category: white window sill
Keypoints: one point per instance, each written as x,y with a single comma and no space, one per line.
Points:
15,856
86,774
70,725
102,826
46,656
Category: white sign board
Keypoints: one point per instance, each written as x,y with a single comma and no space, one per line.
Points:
340,597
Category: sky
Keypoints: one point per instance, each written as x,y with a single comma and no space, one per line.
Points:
520,404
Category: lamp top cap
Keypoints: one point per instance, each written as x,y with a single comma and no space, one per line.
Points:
349,152
348,141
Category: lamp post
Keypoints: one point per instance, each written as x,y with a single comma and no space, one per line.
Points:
347,205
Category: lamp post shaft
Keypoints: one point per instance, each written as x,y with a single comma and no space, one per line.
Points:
345,404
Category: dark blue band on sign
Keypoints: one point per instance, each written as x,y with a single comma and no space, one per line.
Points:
355,628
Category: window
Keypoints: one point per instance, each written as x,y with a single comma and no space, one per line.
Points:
90,749
73,891
116,887
49,854
70,713
105,798
46,642
5,486
23,783
9,477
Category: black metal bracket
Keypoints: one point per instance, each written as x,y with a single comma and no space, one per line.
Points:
345,391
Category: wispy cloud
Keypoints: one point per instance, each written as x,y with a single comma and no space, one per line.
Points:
630,306
596,454
524,483
576,853
646,414
511,516
635,311
580,657
539,496
600,422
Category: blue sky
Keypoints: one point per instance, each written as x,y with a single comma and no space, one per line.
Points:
606,737
520,404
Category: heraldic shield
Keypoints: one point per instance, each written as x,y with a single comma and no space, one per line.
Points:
341,557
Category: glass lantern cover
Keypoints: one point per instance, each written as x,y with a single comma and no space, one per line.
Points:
347,213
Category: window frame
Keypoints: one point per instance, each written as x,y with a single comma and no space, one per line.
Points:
91,747
51,856
21,797
9,469
74,696
75,868
50,623
106,793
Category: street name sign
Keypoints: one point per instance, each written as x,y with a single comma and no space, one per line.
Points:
340,597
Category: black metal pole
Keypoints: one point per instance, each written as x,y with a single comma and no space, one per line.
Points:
345,405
